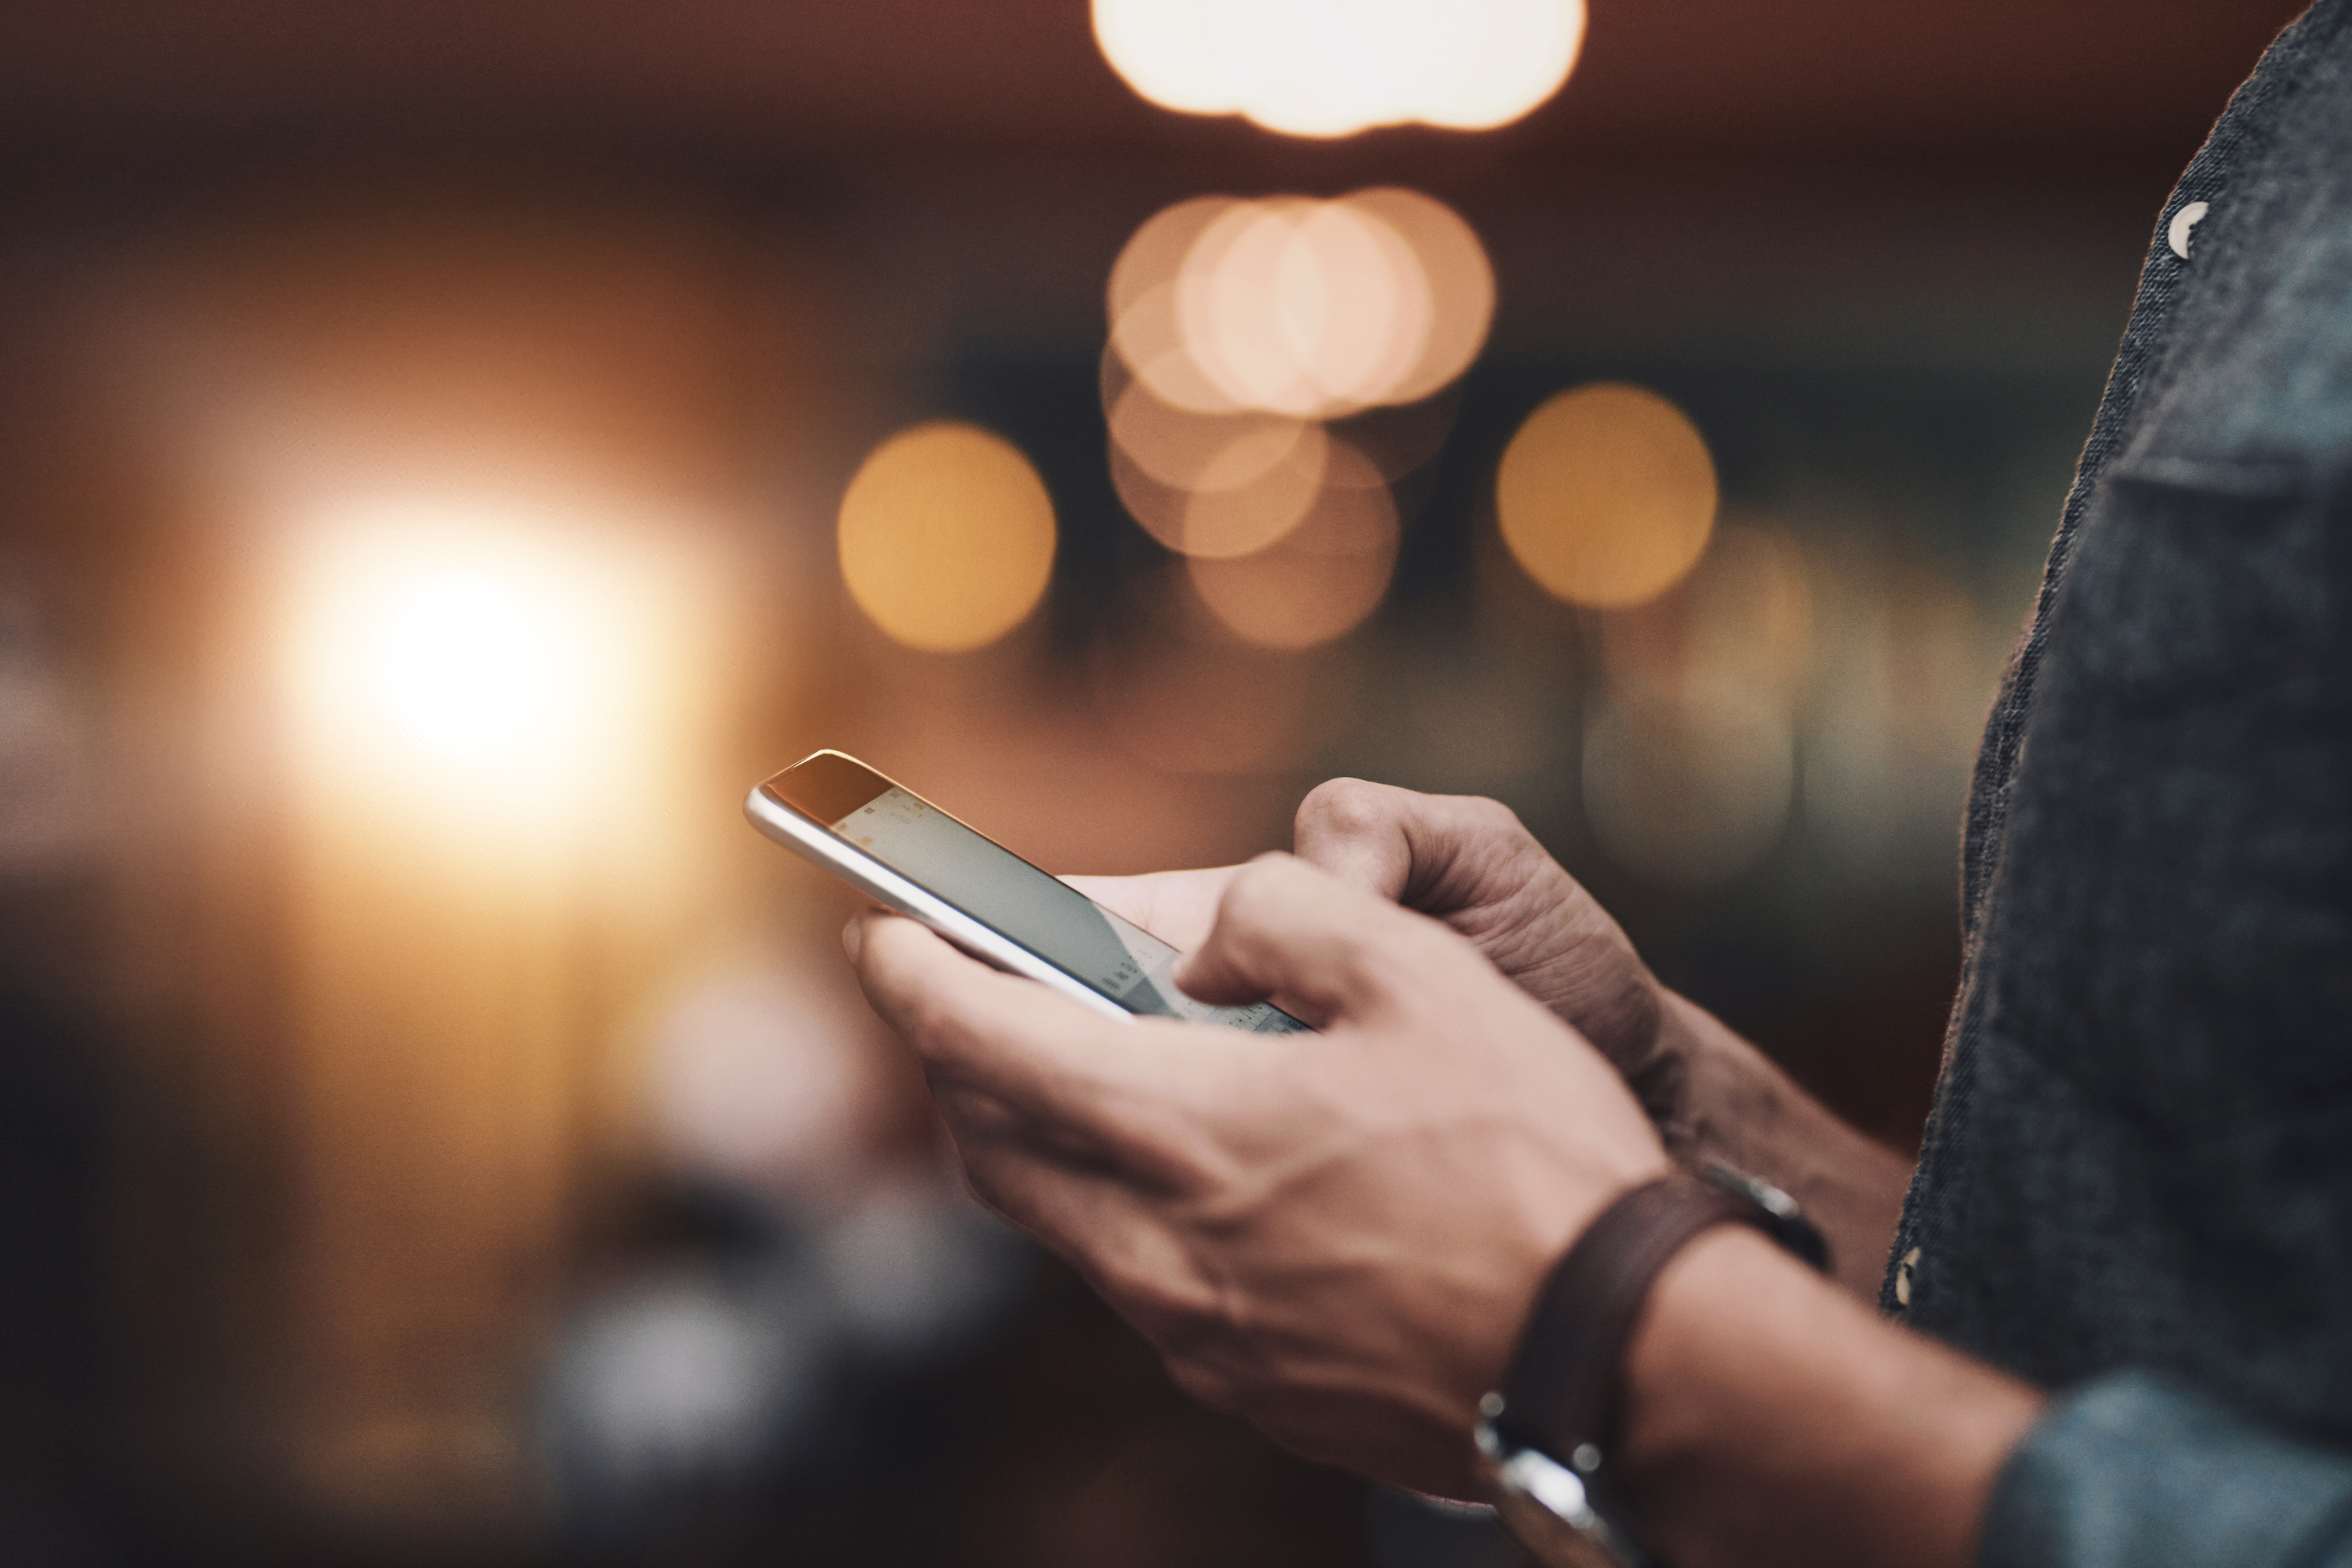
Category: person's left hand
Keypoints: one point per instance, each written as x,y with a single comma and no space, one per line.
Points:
1335,1235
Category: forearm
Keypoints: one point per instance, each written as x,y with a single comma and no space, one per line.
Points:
1717,1097
1770,1419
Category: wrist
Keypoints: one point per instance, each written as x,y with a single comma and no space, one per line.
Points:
1550,1432
1664,1073
1770,1418
1730,1102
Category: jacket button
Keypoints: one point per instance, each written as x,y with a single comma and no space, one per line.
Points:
2183,221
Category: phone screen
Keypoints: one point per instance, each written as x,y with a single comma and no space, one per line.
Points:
1044,914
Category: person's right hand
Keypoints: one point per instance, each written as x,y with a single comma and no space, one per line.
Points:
1468,862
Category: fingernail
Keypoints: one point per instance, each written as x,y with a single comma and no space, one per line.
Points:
853,937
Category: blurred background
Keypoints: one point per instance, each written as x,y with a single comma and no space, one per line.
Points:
448,452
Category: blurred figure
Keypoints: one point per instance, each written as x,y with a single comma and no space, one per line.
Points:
55,1398
811,1258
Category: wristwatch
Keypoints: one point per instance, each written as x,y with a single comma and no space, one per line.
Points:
1549,1506
1546,1433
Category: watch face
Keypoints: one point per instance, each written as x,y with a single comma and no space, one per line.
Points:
1547,1509
1554,1542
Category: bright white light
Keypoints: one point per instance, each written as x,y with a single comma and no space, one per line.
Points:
1169,53
462,662
1332,67
492,646
1521,51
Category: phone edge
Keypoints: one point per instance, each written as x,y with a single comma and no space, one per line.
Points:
815,842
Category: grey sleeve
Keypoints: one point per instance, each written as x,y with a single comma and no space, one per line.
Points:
2137,1471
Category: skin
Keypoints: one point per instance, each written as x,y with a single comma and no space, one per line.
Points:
1337,1235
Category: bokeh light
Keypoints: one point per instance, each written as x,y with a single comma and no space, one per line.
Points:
467,642
1238,329
1300,307
1217,485
1606,494
946,537
1323,577
1332,67
1458,280
464,660
1191,451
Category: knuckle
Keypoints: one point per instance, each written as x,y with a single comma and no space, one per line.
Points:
1492,816
1347,807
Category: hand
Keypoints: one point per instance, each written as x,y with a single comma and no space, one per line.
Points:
1468,862
1335,1235
1464,860
1710,1093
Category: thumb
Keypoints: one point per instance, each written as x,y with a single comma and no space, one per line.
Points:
1285,927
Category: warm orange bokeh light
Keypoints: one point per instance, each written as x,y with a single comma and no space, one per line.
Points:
1332,67
1239,326
1213,485
1303,308
946,537
1299,308
1323,577
1459,280
1607,495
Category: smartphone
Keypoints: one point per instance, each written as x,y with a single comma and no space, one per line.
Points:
898,848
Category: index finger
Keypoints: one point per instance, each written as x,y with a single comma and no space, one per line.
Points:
1358,832
1442,853
1113,1085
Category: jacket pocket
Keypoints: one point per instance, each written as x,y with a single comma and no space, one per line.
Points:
2188,575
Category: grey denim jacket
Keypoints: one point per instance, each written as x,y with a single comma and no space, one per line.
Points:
2135,1188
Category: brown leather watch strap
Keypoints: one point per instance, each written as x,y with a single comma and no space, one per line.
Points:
1564,1386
